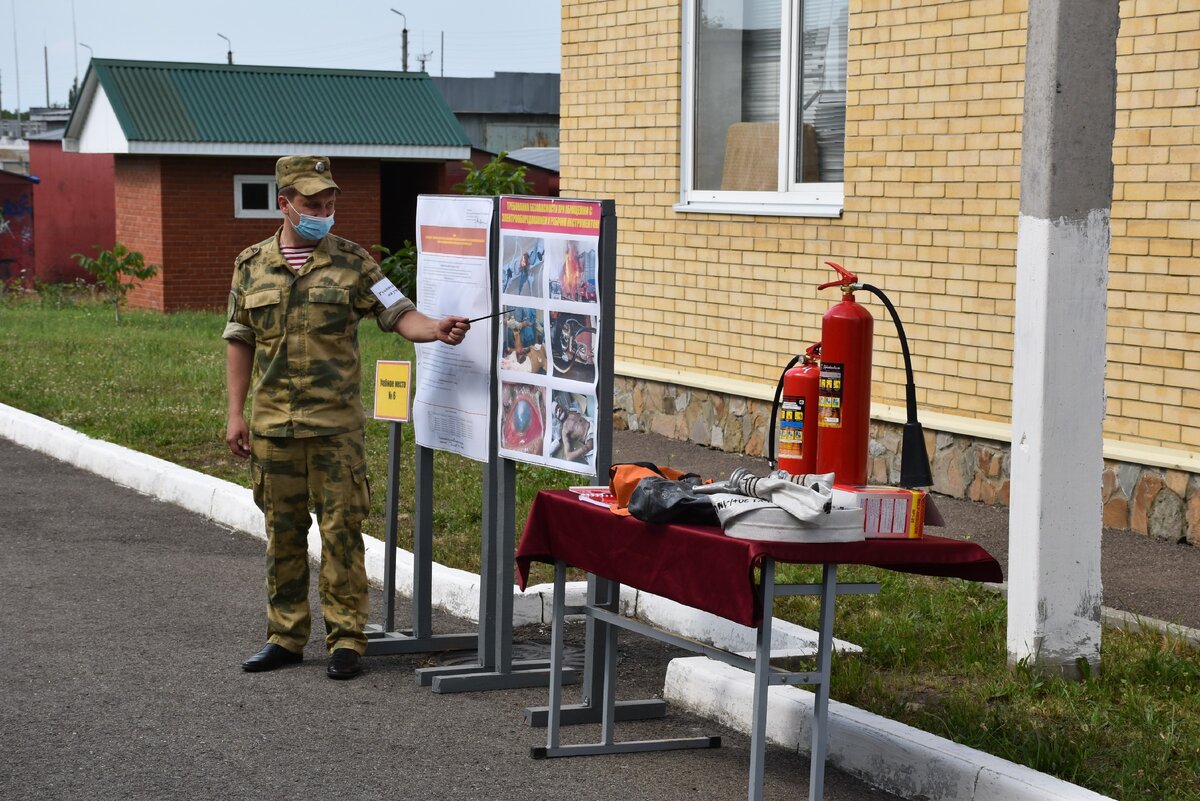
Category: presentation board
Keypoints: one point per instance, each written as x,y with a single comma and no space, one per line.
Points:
548,352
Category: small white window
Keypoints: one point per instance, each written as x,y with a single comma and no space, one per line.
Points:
254,197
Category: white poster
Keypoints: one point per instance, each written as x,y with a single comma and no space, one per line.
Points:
450,410
546,358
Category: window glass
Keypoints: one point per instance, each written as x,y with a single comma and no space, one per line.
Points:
821,134
737,95
256,196
767,109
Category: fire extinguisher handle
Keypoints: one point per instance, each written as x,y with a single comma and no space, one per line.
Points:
847,278
775,412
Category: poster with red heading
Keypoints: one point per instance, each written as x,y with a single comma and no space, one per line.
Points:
450,411
546,357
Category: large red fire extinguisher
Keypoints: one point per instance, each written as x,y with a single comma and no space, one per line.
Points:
794,420
844,406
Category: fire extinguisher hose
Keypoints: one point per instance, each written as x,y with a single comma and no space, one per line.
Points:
914,463
910,388
775,410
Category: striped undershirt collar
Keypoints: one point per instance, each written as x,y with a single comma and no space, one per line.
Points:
296,256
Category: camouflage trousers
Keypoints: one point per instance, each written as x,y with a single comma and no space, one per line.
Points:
329,476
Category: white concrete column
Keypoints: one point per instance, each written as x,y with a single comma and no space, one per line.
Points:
1055,593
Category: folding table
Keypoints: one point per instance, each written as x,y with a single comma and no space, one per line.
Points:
702,567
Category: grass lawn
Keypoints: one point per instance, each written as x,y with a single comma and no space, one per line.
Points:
934,650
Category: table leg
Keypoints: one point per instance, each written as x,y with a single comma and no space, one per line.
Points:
557,620
820,723
603,594
609,694
609,711
762,672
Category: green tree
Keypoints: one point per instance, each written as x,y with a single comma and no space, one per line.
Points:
400,267
118,271
497,177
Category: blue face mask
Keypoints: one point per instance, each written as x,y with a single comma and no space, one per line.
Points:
311,227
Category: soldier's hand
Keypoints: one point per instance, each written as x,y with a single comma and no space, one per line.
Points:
237,436
452,330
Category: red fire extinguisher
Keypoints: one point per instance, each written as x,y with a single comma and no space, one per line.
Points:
794,420
844,405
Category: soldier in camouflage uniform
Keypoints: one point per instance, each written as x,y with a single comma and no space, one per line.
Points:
295,331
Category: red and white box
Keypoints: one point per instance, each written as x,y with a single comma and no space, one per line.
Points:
890,512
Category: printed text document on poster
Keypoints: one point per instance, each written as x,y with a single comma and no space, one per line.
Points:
450,410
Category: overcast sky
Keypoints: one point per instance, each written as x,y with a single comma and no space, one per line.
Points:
481,36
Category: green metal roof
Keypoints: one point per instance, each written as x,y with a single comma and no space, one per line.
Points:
224,103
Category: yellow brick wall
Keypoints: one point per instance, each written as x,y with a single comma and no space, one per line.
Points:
933,146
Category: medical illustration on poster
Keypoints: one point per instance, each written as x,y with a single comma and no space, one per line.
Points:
549,332
454,277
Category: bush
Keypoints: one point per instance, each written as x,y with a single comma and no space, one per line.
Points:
497,177
118,271
400,267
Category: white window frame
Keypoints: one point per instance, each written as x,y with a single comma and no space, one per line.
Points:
254,214
801,200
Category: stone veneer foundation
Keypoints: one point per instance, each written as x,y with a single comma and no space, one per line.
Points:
1161,503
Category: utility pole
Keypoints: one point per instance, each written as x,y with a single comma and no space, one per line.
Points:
403,41
1063,236
46,65
442,55
17,64
75,39
91,57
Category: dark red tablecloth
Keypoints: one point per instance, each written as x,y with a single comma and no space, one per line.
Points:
701,567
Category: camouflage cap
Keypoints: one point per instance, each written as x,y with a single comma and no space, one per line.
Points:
309,174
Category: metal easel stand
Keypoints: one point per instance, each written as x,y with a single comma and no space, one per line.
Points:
601,592
764,677
385,639
496,669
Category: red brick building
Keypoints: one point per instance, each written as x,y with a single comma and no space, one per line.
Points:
193,149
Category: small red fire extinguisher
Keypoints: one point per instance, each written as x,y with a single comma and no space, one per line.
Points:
794,424
844,406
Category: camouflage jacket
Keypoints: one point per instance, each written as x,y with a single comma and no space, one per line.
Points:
303,326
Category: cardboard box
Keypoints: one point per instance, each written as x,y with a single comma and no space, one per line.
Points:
890,512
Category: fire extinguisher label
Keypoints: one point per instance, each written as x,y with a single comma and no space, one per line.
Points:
829,415
791,428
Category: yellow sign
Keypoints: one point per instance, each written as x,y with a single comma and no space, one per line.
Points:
392,380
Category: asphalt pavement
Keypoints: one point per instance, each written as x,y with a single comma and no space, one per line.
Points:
126,618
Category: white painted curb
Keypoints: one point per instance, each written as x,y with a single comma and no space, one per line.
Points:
891,756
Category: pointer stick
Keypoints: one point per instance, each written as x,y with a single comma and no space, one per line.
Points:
489,316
